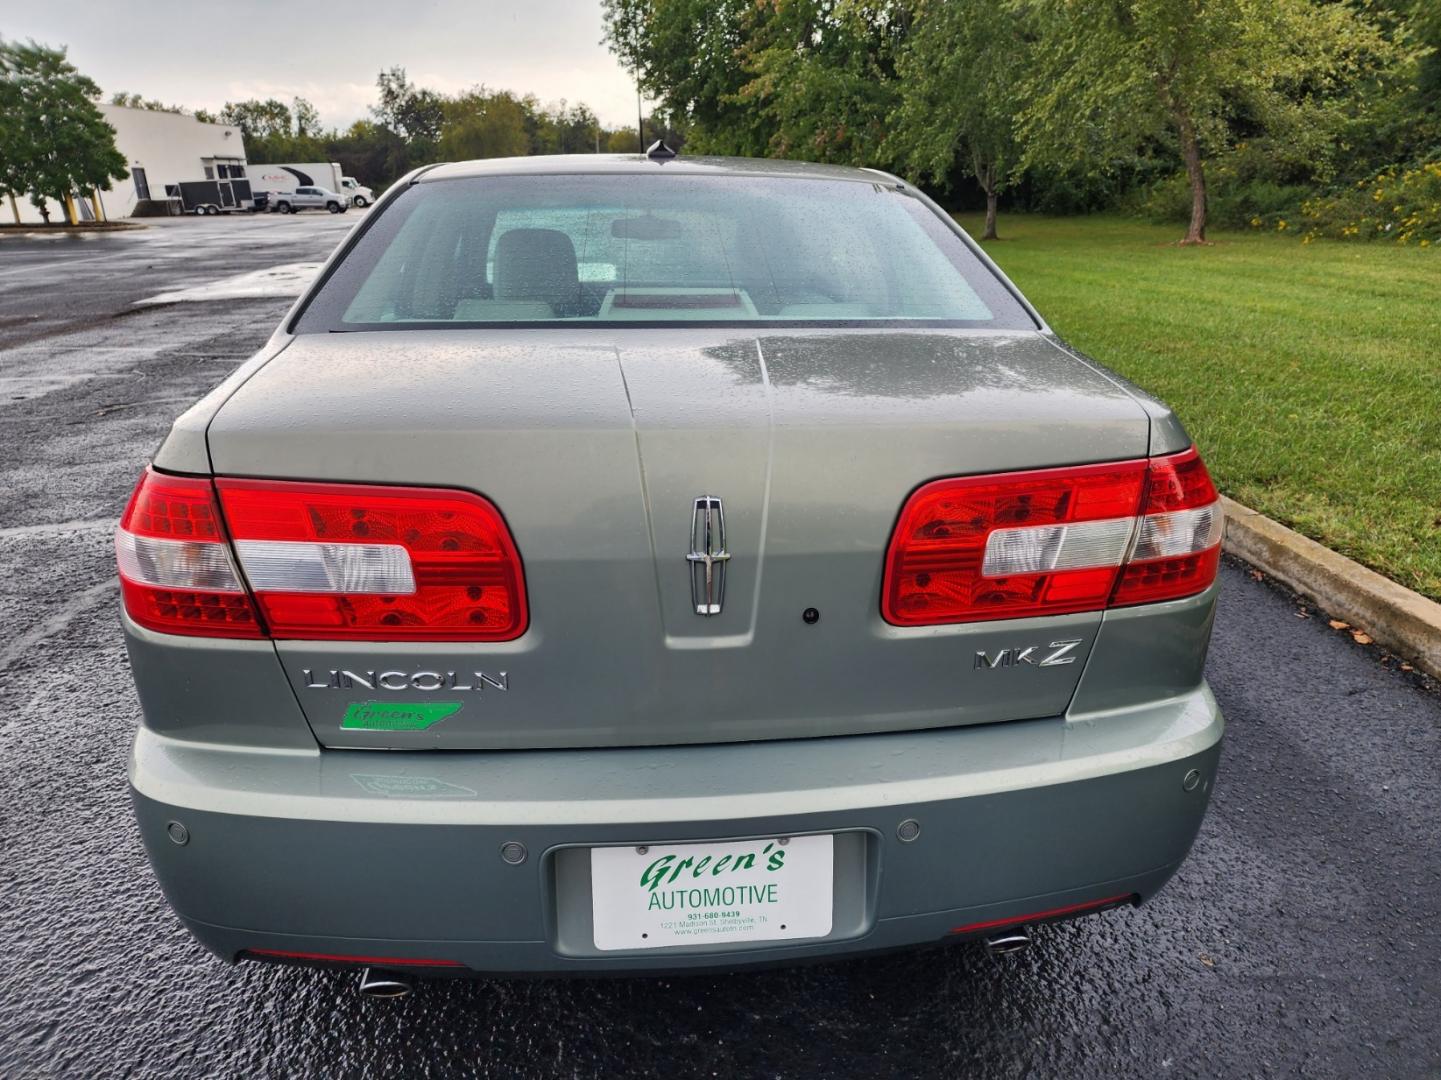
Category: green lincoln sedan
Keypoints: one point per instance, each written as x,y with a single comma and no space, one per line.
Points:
646,563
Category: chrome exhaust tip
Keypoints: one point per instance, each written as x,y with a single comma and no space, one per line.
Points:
1009,941
380,983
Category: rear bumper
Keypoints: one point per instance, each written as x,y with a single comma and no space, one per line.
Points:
397,855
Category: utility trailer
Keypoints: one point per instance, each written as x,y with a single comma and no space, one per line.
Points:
213,196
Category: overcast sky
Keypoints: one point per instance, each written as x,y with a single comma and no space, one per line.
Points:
202,53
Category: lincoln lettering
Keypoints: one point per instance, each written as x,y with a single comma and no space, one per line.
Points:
340,679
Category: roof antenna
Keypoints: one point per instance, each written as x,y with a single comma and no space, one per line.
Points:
659,151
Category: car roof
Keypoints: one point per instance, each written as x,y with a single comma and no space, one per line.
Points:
618,164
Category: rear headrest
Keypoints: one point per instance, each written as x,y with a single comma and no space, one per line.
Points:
537,264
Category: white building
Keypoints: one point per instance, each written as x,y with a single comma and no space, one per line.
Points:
160,148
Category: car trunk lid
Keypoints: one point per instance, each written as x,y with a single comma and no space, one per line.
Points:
599,445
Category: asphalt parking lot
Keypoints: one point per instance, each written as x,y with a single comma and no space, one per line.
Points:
1300,939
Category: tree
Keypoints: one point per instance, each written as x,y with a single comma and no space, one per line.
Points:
273,131
307,118
686,54
576,129
481,124
622,141
412,117
258,120
14,141
363,151
961,71
822,75
135,101
1112,75
785,78
412,113
59,143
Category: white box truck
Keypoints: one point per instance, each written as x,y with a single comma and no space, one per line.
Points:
284,178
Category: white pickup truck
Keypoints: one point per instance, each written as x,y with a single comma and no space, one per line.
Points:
309,198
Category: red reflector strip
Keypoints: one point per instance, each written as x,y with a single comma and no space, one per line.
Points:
336,958
1037,916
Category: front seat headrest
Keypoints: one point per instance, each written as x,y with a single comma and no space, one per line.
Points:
537,264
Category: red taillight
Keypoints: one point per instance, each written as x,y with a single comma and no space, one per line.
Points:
1178,539
1053,541
318,561
352,561
176,572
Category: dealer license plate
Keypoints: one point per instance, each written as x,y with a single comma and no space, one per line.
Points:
708,894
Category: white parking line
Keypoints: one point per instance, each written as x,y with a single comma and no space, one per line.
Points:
60,618
58,528
287,279
33,267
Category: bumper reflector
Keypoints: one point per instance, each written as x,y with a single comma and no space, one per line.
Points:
1041,916
337,958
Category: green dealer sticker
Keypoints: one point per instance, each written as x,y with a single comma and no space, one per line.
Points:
397,715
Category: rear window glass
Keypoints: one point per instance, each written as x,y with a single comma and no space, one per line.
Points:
659,249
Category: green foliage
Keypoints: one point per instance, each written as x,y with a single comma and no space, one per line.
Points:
413,113
1400,205
479,124
15,141
565,129
961,70
259,120
1070,102
1110,77
135,101
363,150
622,141
686,54
810,79
413,126
55,142
1231,203
274,131
821,76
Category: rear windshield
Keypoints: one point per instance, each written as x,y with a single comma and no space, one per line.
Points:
659,249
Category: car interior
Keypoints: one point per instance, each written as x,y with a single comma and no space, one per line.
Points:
478,262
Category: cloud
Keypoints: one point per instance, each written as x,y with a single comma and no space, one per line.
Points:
339,103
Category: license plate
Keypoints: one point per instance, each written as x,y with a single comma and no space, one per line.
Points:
708,894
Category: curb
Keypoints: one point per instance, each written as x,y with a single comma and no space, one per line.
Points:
1403,621
70,230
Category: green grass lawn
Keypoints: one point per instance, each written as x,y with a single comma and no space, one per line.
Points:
1309,376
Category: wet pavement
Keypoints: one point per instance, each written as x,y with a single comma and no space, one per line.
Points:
1300,939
